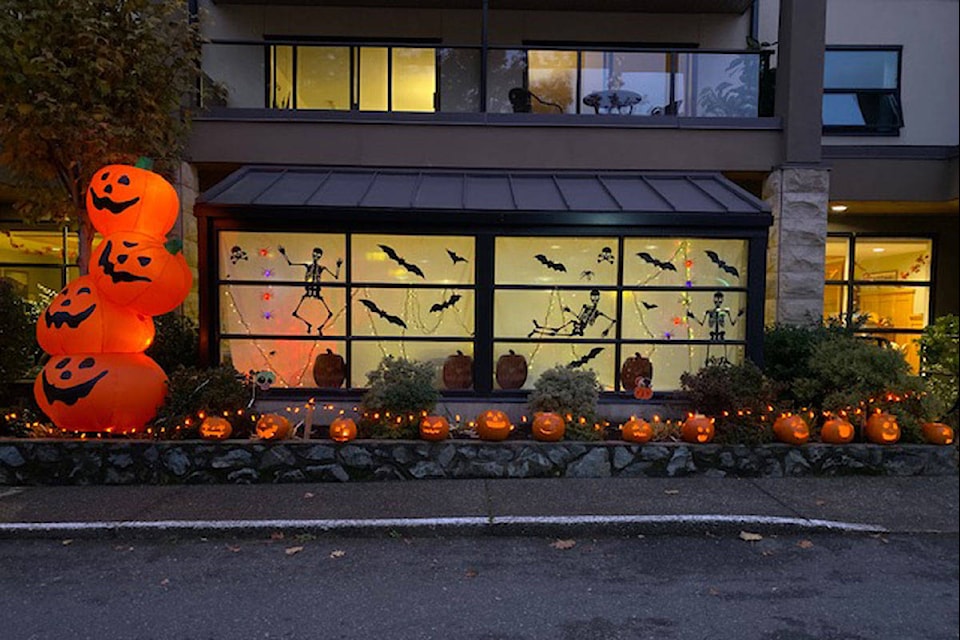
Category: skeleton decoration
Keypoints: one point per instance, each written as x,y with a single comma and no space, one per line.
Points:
237,254
262,380
577,324
716,319
313,271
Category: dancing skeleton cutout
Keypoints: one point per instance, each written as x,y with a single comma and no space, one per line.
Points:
587,317
717,319
314,270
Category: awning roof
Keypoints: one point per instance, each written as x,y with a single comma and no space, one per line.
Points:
477,191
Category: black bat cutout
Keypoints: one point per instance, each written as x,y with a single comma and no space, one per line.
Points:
449,302
550,264
69,395
456,258
715,259
110,269
409,266
587,358
662,265
649,305
392,319
72,320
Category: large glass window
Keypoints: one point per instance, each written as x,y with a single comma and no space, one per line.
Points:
37,262
884,281
861,91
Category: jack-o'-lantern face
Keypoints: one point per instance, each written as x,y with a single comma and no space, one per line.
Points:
548,427
791,429
882,428
434,428
697,429
937,433
134,270
79,320
493,425
343,429
636,430
836,431
127,198
272,426
215,428
117,392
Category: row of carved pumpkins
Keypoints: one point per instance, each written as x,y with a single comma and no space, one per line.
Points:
494,425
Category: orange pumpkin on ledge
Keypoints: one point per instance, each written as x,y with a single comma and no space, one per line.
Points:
493,425
434,428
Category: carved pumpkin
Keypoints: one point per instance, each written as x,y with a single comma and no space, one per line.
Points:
272,426
643,390
458,371
136,271
791,429
343,429
493,425
329,370
434,428
882,428
937,433
127,198
634,367
697,428
511,370
636,430
109,392
837,431
80,320
548,427
215,428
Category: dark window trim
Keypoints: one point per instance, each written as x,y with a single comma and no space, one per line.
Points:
870,130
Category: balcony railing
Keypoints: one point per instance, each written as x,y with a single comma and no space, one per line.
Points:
439,79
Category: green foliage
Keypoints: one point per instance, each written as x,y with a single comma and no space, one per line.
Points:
572,393
18,342
86,83
212,391
176,343
940,360
737,397
399,392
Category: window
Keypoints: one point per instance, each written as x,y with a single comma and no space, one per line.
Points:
37,261
861,91
887,281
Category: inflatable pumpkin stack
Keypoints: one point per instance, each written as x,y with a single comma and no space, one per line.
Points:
98,379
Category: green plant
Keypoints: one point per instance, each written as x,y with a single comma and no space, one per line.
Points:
738,397
399,393
176,342
194,391
573,393
18,343
940,361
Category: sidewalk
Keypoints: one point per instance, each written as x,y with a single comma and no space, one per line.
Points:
552,507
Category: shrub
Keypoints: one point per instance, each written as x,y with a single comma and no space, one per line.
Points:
738,397
399,392
940,361
177,342
212,391
18,342
574,394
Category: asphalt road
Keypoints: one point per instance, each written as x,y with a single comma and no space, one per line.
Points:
787,587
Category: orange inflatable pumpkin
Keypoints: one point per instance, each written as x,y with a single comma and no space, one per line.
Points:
136,271
343,429
791,429
80,320
882,428
434,428
836,431
937,433
114,392
548,427
493,425
697,428
127,198
636,430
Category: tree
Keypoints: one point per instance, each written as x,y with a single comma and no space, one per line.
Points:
86,83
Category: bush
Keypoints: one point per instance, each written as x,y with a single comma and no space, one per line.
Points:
177,342
738,397
18,342
212,391
940,361
399,392
572,393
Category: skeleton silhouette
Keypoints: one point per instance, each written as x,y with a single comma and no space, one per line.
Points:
313,271
575,326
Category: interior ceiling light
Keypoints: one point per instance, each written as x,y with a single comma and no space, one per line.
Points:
838,208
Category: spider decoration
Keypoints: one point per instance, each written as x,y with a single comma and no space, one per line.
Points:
575,326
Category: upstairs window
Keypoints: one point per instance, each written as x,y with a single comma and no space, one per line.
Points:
861,91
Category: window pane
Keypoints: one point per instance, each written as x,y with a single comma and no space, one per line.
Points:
373,79
686,315
323,76
35,247
32,283
841,109
459,80
670,361
835,265
875,110
306,257
550,313
506,72
892,259
547,261
281,77
893,307
282,310
860,69
413,259
544,355
553,79
834,302
724,85
366,356
410,311
684,262
644,74
291,361
234,75
414,79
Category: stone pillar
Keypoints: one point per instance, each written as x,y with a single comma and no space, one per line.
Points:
188,189
798,198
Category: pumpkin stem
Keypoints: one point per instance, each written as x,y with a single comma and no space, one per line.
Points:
143,162
174,245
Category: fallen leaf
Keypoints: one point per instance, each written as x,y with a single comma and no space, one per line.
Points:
470,573
67,541
750,537
165,582
805,544
308,495
766,552
233,548
337,553
671,492
820,503
564,544
713,592
292,550
276,535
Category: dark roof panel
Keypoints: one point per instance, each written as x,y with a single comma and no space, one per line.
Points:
537,193
343,189
488,192
292,186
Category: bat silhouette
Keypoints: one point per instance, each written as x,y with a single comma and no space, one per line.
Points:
715,259
449,302
392,319
648,305
550,264
409,266
456,258
587,358
662,265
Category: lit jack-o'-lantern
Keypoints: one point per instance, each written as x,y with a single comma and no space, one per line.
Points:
112,392
215,428
548,427
937,433
511,370
636,430
882,428
791,429
343,429
493,424
273,426
127,198
458,371
134,270
434,428
697,428
836,431
80,320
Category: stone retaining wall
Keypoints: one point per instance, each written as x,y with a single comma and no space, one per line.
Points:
24,462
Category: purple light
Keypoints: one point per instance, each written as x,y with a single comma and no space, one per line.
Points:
667,335
689,283
267,315
267,273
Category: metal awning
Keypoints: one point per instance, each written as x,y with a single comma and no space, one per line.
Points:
483,191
